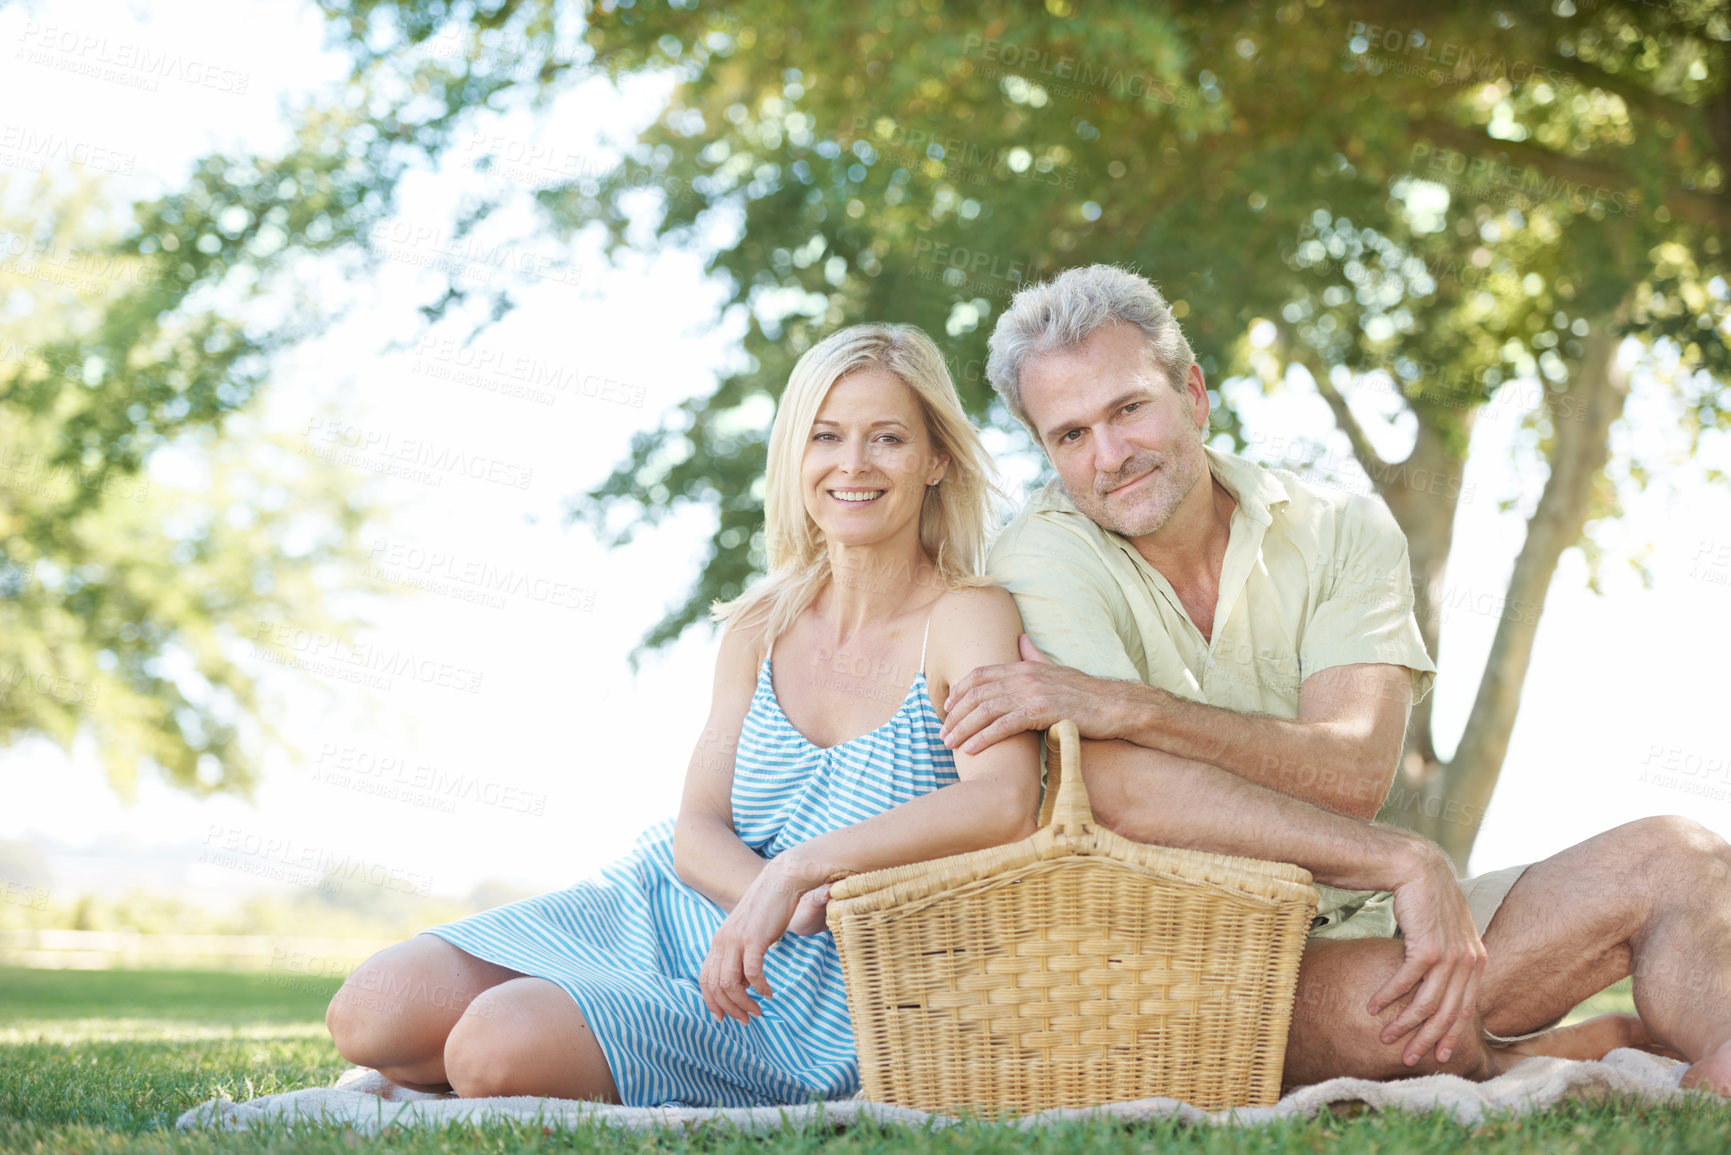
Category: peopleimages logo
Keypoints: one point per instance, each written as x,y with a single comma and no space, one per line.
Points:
1078,71
286,859
432,246
1412,52
498,369
46,683
21,142
122,61
1498,180
419,783
371,665
961,159
383,451
969,262
472,579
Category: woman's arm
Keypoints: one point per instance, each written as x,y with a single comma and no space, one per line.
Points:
707,853
998,795
994,803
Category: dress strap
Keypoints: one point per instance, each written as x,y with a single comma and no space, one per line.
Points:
923,641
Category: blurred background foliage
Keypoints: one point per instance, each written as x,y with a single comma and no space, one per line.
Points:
146,526
1407,212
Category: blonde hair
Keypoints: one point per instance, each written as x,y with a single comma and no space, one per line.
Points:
955,517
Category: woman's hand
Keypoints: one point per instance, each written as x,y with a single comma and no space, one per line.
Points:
764,913
812,916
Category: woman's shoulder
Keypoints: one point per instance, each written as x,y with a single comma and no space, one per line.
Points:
972,613
970,601
745,640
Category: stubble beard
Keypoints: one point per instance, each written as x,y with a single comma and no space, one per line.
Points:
1177,477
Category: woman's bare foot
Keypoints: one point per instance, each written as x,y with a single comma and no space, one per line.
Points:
1593,1039
1712,1073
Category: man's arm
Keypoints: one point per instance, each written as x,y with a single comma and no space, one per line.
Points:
1339,753
1360,648
1153,797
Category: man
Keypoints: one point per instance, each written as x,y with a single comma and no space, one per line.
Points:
1240,651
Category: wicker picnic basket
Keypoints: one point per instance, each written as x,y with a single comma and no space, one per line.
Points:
1072,968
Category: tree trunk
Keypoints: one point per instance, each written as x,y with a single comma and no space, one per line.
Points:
1446,801
1424,496
1429,524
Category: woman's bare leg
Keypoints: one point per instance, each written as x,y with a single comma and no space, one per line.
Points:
396,1011
527,1037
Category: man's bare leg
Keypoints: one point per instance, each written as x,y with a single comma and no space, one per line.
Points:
1333,1035
1592,1038
1652,898
1332,1032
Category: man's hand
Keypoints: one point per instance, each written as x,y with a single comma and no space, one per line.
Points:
1444,961
764,913
994,702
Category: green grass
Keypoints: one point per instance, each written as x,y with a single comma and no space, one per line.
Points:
106,1061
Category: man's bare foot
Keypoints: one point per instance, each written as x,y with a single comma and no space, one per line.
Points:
1593,1039
1712,1073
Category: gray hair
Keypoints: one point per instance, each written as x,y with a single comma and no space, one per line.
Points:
1063,312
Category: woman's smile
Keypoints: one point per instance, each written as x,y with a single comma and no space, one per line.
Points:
869,452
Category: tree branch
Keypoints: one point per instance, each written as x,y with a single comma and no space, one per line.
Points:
1368,458
1701,208
1655,104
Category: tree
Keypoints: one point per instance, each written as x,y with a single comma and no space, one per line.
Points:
1423,219
128,591
1439,215
129,603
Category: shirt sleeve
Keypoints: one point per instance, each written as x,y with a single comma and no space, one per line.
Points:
1071,608
1366,611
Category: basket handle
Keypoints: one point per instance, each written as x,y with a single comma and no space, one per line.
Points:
1071,813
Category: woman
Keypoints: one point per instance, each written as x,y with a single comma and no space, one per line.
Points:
698,970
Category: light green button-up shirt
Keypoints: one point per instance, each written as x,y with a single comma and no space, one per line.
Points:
1313,577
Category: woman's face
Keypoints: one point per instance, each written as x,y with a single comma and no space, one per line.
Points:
868,461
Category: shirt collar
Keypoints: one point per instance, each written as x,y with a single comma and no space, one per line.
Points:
1256,490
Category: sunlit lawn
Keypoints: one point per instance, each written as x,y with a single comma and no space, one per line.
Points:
108,1060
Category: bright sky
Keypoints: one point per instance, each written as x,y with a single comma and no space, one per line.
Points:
563,754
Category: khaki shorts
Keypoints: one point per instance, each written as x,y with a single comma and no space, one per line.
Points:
1485,893
1370,913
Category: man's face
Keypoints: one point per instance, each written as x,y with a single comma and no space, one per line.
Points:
1126,445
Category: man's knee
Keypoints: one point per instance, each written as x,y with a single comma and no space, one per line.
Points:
1351,1045
1680,844
1334,1033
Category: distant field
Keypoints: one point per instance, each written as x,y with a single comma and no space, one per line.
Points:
105,1061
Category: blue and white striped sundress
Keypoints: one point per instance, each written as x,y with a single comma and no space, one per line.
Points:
628,945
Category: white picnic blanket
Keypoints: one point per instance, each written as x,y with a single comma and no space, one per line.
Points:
366,1101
